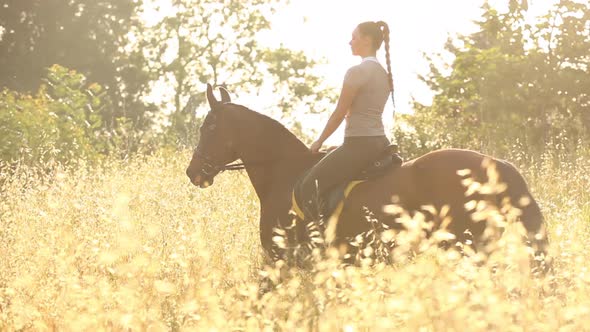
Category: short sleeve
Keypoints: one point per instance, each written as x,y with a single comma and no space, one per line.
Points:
354,77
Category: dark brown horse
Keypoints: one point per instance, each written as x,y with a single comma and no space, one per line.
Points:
274,159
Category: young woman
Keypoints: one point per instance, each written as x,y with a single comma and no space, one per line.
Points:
365,91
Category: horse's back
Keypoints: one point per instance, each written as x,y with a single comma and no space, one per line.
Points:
438,179
451,158
442,174
424,179
446,169
453,164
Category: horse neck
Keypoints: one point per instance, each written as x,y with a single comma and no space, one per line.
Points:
264,145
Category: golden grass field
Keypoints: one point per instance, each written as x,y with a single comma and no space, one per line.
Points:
133,246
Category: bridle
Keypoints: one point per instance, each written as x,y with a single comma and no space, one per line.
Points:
209,168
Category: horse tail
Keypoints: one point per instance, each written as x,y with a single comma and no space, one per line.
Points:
521,198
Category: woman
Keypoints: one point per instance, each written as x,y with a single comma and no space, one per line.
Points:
365,90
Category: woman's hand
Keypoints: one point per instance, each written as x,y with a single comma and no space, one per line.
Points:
315,147
331,148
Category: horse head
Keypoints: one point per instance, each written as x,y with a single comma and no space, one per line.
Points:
216,147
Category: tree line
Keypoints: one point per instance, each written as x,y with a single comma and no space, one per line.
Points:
78,78
511,86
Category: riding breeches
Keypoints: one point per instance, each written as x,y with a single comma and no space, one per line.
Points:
339,166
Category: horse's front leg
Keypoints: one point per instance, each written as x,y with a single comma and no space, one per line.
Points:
277,240
291,241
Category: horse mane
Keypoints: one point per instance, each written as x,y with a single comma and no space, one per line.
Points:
269,126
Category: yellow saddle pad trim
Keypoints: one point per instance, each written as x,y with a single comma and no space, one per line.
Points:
295,207
347,190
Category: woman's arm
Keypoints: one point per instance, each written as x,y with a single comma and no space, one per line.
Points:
344,102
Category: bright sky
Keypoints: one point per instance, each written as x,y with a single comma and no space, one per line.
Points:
322,28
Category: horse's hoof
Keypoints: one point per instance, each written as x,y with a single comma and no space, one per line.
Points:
265,286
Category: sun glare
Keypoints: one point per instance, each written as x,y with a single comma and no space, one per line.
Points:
155,11
112,220
313,26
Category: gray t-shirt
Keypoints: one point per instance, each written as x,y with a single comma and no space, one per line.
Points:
365,115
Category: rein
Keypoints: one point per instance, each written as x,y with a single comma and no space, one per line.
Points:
233,167
210,168
241,166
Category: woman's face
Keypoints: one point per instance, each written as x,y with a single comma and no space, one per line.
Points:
360,44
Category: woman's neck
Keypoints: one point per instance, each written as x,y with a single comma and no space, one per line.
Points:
371,58
368,54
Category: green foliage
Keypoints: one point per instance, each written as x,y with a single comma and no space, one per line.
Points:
201,42
87,36
61,123
150,69
295,84
510,86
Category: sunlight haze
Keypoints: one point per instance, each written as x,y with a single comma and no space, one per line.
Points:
322,28
161,166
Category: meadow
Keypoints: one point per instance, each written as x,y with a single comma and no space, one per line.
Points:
132,245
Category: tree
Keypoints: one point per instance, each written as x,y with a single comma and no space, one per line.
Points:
147,68
216,42
85,35
61,122
511,84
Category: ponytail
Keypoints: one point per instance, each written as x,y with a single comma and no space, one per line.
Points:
385,30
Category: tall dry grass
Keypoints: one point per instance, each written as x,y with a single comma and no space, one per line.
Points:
132,245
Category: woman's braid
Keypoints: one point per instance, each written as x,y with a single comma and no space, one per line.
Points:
385,29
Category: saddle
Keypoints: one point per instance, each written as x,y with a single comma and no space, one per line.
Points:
333,201
387,159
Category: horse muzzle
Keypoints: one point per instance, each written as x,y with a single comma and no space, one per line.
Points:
201,181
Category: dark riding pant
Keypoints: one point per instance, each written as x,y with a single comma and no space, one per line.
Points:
337,167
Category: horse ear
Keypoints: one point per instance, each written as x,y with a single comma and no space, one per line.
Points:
211,98
225,98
